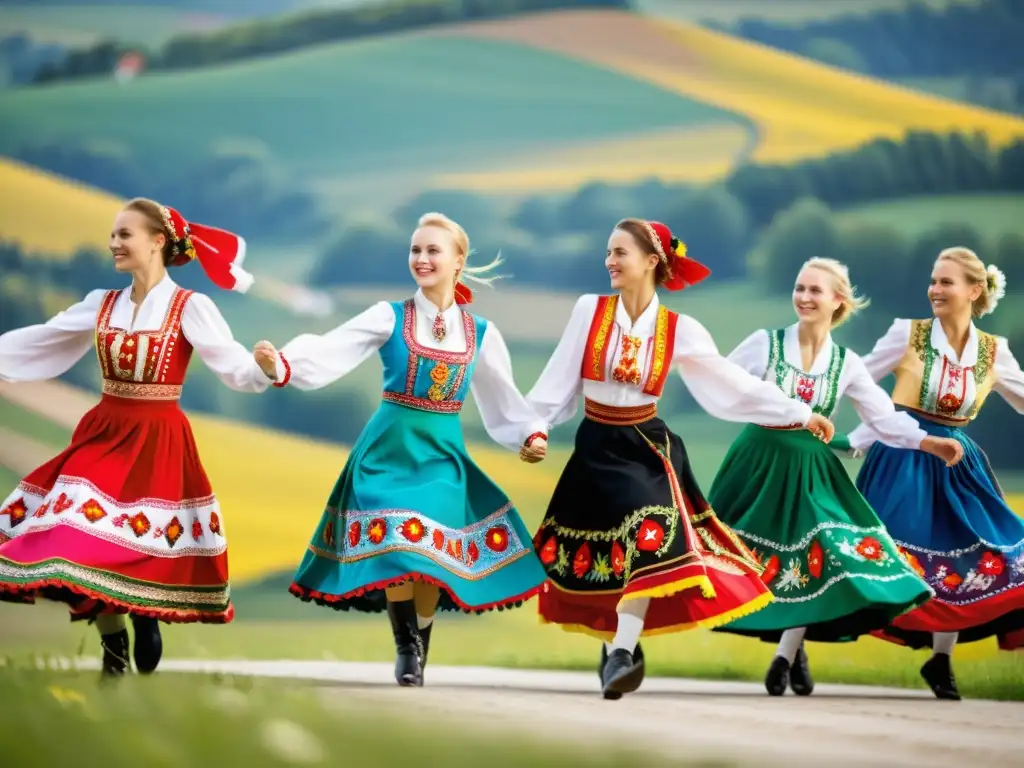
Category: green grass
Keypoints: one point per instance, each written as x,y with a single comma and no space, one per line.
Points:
514,639
991,214
395,104
186,720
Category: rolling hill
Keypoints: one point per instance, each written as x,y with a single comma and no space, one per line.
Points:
800,108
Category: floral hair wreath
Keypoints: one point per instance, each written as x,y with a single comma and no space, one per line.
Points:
995,286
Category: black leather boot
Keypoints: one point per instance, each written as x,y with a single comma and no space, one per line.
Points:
638,658
800,674
938,673
115,654
622,674
409,662
777,679
425,640
149,646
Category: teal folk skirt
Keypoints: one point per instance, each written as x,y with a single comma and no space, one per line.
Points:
411,505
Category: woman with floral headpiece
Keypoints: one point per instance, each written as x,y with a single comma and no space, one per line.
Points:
834,571
413,525
629,543
953,526
124,520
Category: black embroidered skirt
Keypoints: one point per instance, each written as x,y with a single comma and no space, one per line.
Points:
627,520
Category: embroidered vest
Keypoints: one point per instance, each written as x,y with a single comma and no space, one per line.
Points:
820,391
428,379
148,365
930,382
659,361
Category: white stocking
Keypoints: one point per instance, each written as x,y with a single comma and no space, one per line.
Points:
110,623
631,623
943,642
790,643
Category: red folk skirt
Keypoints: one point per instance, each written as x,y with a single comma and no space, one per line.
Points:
122,521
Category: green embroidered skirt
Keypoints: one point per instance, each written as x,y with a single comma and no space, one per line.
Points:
828,559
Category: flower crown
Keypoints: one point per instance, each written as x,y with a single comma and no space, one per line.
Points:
995,286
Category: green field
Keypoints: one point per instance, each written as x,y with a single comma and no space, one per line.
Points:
990,214
402,103
181,721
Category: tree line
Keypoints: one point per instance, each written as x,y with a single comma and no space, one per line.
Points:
265,37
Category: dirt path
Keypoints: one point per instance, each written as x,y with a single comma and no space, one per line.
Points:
837,726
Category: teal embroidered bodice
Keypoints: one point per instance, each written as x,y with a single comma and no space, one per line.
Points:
423,378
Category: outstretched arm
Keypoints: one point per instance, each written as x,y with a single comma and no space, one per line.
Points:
210,335
888,350
312,361
875,408
507,417
1009,377
47,350
555,396
725,390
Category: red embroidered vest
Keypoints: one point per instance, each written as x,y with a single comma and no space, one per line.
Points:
659,360
149,365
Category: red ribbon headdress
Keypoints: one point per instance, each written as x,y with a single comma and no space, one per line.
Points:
682,270
220,253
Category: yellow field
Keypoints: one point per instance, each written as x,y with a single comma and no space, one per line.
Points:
44,212
801,108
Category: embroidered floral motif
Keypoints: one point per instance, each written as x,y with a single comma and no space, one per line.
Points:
472,553
43,509
771,569
912,561
355,533
497,538
412,529
870,548
650,536
805,388
627,372
438,539
815,559
63,504
793,577
92,511
377,529
600,571
16,511
454,548
618,558
173,532
549,551
197,530
439,375
991,564
328,534
820,391
581,562
139,523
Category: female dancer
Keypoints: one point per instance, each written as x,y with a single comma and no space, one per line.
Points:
412,522
628,534
953,527
124,519
834,571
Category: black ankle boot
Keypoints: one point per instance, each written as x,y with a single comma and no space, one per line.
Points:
777,679
638,658
622,674
938,673
800,674
115,653
409,662
149,646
